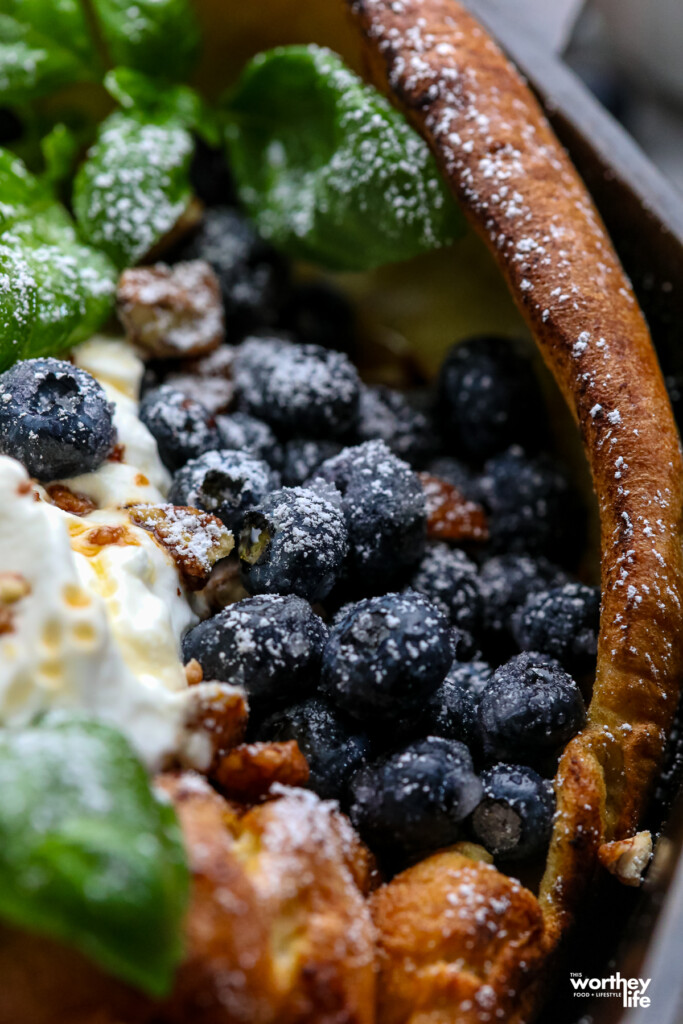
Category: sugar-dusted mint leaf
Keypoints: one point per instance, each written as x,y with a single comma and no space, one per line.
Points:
54,291
88,853
134,185
161,37
43,45
328,169
159,99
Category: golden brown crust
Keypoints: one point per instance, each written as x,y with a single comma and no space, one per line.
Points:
523,196
249,771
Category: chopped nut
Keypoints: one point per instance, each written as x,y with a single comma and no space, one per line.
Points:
172,311
450,515
627,858
196,540
247,772
13,587
215,721
223,587
70,501
194,672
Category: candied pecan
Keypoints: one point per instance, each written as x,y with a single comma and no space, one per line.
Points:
196,540
70,501
172,311
247,772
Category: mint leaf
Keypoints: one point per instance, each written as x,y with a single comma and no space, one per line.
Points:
43,45
88,854
134,185
54,291
59,149
161,100
157,36
328,169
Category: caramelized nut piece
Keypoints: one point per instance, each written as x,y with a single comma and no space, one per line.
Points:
196,540
450,515
627,858
247,772
12,588
70,501
215,721
193,672
172,311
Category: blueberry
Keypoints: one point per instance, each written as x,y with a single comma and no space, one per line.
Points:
448,578
293,542
488,398
515,817
225,483
563,622
54,418
270,645
532,508
505,582
384,506
334,751
415,800
182,428
298,389
302,456
455,473
386,655
387,415
317,313
252,276
245,433
451,711
529,708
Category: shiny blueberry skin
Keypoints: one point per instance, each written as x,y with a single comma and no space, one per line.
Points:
302,456
244,433
252,276
452,708
529,709
506,581
384,506
532,507
54,418
293,542
449,578
386,415
298,389
563,622
386,655
182,427
488,398
270,645
225,483
415,800
333,749
515,817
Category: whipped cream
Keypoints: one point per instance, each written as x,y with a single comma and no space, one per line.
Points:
94,608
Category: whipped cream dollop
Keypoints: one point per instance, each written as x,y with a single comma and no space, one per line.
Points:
92,608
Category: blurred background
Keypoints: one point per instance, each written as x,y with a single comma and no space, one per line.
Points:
630,53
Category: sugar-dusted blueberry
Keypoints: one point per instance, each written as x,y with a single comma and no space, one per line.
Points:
488,398
270,645
563,622
387,415
302,456
333,748
245,433
182,427
252,275
532,507
224,482
451,711
455,473
54,418
505,582
293,542
298,389
515,816
385,510
414,801
449,578
529,709
386,655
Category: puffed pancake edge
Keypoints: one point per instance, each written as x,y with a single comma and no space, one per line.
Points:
521,193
